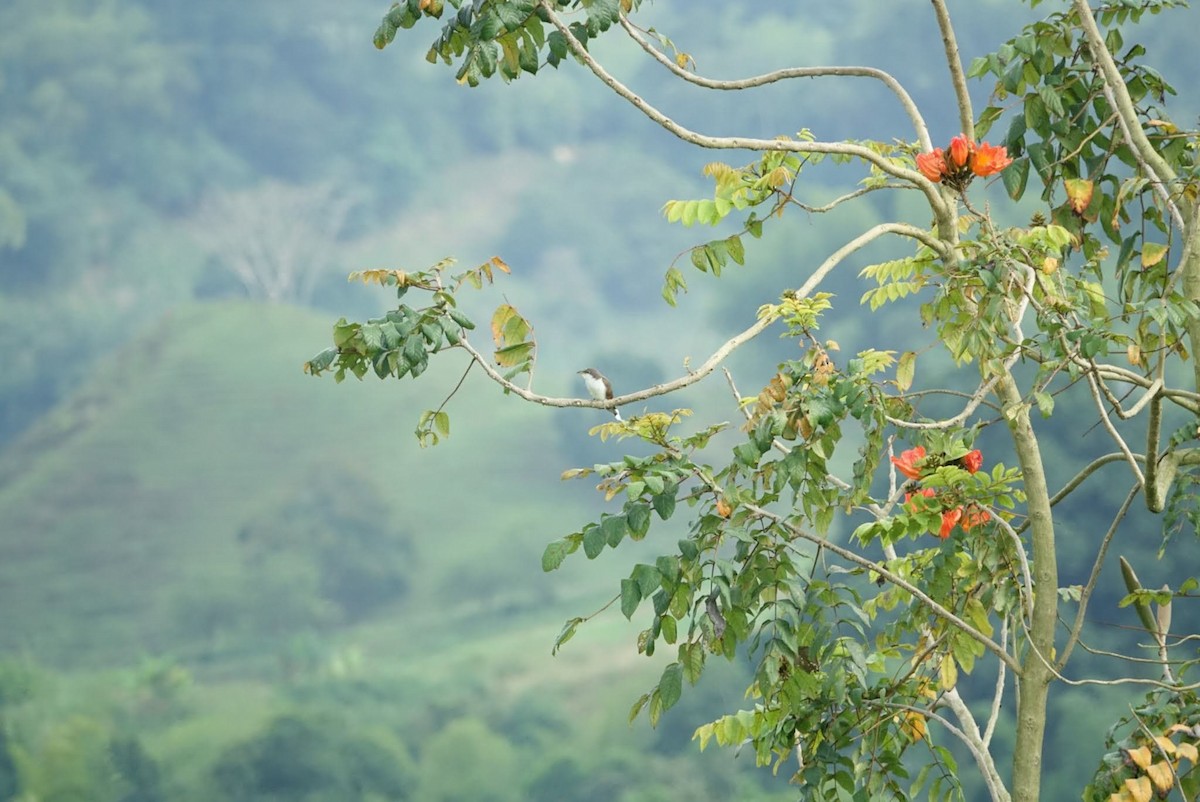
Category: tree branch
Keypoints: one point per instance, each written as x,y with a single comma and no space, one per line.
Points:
976,743
930,190
723,352
966,117
1086,594
1117,94
896,580
910,107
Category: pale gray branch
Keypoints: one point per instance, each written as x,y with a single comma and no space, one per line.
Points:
930,190
910,107
966,117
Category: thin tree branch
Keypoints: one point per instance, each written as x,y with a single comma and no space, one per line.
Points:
1086,594
910,107
811,283
931,191
1116,93
998,695
977,743
1027,581
896,580
1093,382
966,117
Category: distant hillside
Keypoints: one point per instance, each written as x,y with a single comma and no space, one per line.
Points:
190,497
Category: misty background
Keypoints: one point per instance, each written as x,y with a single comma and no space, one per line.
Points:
223,579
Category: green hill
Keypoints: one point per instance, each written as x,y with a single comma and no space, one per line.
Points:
183,499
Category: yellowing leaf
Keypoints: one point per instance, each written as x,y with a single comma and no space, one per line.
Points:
573,473
1166,745
905,369
1141,756
1139,789
947,673
1188,752
778,177
1134,354
1153,253
508,327
1163,619
913,725
1161,775
1079,194
1050,264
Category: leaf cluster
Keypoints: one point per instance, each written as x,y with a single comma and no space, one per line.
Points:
499,36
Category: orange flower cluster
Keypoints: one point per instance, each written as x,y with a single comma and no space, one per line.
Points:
911,463
962,161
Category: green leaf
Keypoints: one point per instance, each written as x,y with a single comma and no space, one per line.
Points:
737,252
343,333
691,657
670,687
664,503
614,527
647,577
747,454
631,597
1015,177
513,355
1045,403
669,628
637,706
558,48
638,518
441,422
656,707
593,541
568,632
555,553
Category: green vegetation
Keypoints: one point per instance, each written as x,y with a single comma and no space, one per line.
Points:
223,579
859,639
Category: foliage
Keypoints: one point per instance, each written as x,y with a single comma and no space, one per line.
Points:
312,761
861,642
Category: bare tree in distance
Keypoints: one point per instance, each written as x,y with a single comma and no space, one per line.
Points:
275,238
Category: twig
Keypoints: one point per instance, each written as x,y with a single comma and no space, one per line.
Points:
977,743
1086,594
910,108
931,190
994,715
896,580
1093,382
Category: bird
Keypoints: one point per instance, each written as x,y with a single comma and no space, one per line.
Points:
599,387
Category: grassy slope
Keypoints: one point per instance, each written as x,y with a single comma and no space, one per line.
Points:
135,488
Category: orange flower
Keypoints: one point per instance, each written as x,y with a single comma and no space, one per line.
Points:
967,517
972,461
989,159
932,165
974,516
949,519
908,463
960,150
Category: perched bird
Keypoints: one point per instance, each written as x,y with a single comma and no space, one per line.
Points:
599,387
